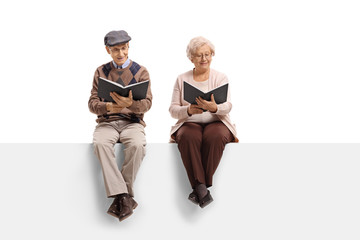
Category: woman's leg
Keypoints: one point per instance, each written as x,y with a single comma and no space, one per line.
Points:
189,140
215,136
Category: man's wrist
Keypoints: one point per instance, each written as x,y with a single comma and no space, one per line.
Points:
108,106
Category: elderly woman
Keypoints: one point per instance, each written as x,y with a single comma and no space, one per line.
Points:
204,128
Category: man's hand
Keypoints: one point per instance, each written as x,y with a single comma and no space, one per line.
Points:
194,109
123,102
207,105
113,107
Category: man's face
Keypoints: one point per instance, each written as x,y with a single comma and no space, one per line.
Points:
119,53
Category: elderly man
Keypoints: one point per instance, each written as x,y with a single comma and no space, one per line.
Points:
121,120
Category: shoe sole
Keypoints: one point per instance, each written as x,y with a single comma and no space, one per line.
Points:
193,201
135,205
206,203
117,216
113,214
125,217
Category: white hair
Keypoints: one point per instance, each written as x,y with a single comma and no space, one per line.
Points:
197,42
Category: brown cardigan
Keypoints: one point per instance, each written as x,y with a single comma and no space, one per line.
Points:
131,74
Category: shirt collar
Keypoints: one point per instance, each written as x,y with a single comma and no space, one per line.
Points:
126,63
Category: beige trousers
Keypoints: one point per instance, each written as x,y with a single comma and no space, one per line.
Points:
132,136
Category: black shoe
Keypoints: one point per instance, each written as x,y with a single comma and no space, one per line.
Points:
193,197
128,204
114,209
205,200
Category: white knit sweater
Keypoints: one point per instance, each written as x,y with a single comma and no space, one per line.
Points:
178,107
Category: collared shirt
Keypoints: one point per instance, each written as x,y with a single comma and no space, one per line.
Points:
126,63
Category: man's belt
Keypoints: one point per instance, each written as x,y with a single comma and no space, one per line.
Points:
133,118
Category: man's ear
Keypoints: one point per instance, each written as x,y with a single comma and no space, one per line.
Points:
107,49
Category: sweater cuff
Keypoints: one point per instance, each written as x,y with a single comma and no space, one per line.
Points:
183,113
221,109
102,108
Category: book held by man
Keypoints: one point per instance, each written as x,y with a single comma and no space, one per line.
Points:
191,93
106,86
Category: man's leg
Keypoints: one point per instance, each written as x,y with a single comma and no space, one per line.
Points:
133,138
104,138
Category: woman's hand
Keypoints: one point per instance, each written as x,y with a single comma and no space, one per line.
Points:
194,109
207,105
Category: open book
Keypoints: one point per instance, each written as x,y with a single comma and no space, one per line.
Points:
191,92
105,86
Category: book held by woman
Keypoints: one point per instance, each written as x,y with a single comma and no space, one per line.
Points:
191,93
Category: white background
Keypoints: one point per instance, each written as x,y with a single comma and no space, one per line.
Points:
294,72
293,66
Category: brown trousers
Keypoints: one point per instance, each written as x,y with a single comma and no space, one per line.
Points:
201,147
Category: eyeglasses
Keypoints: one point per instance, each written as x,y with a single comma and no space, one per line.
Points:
118,50
201,56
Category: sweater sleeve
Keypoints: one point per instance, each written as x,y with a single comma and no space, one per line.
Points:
224,108
176,109
95,105
144,105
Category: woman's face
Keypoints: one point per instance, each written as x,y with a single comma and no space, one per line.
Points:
202,58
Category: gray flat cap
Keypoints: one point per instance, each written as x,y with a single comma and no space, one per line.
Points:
116,37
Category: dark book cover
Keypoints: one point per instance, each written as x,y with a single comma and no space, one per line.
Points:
191,93
106,86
